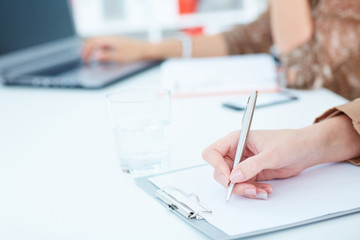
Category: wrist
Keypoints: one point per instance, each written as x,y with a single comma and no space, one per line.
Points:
150,51
332,140
163,50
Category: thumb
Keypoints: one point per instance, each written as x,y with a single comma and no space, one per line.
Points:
248,168
106,56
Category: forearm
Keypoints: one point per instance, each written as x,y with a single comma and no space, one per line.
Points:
332,140
204,46
291,23
209,46
251,38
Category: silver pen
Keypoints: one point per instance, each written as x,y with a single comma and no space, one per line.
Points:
245,128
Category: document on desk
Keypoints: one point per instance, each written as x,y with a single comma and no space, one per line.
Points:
220,75
318,193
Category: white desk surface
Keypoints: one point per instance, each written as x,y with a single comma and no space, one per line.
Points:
60,179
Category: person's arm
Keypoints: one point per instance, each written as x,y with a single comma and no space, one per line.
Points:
255,37
329,57
251,38
203,46
292,24
352,110
276,154
121,49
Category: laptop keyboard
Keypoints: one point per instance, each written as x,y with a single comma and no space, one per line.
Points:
60,69
74,74
49,77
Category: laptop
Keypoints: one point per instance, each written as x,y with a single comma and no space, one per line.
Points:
39,47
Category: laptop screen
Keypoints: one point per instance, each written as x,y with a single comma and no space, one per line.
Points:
29,23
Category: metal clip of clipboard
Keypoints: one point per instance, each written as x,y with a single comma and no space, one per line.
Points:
181,207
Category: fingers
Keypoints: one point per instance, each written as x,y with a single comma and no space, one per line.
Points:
250,189
253,190
248,168
217,151
219,155
106,56
93,45
222,173
88,49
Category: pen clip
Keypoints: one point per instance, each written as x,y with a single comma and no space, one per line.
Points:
181,207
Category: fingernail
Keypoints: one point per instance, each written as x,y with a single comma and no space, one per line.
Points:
268,190
224,180
262,195
250,192
237,176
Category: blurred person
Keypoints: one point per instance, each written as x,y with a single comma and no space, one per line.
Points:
318,42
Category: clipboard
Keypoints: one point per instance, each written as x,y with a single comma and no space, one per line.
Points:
212,231
199,224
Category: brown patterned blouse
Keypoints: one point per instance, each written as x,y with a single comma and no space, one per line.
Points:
330,59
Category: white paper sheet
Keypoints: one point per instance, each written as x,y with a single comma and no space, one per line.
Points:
321,190
220,75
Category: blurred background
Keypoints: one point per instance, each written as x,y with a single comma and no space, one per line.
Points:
157,19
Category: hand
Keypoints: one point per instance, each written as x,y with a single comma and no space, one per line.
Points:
276,154
267,155
116,49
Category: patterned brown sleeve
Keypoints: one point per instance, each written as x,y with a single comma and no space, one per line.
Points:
352,110
251,38
330,59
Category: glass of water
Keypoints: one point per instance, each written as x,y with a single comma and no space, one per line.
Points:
141,121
